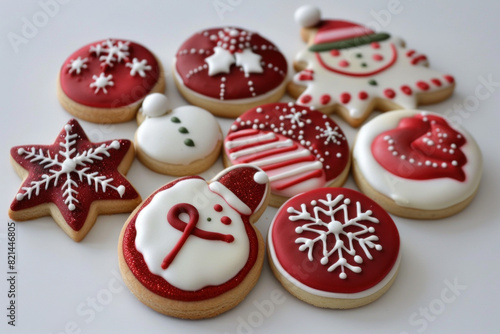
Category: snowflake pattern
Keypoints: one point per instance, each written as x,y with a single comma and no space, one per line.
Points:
74,165
138,67
111,51
334,135
325,229
76,65
101,81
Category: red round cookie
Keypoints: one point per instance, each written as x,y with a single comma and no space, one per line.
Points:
300,148
230,64
109,74
334,244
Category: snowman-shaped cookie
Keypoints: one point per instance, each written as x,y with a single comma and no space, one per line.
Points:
191,250
183,141
350,69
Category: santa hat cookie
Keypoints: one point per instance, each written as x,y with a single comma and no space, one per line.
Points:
300,148
183,141
191,250
334,248
229,70
417,164
350,69
105,81
73,180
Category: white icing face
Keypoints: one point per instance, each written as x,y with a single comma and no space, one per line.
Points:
184,135
360,61
199,262
432,194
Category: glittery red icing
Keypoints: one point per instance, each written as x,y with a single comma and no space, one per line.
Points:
87,188
127,89
420,148
192,54
315,274
160,286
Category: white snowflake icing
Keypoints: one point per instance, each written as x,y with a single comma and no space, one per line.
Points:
138,67
76,65
111,51
336,228
295,117
73,166
330,134
101,81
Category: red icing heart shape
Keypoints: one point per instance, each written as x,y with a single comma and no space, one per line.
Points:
422,147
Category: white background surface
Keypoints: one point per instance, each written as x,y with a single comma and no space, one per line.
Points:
67,287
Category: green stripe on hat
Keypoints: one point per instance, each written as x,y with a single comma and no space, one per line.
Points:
350,43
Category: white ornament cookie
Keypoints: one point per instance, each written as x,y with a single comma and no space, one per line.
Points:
184,141
350,69
416,164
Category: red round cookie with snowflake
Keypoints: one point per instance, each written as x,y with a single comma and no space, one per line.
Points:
334,247
417,164
231,69
299,148
106,76
191,250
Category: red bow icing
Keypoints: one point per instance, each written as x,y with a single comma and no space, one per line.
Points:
421,147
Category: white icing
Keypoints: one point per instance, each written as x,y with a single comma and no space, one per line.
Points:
101,82
433,194
138,67
297,170
230,198
154,105
161,140
76,65
220,61
249,61
200,262
307,16
402,72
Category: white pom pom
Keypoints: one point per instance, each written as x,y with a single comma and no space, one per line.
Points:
307,16
155,105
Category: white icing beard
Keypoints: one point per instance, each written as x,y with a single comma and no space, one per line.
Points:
160,138
200,262
402,72
432,194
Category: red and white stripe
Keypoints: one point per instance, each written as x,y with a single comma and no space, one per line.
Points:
286,162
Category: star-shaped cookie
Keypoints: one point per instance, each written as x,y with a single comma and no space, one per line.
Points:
73,180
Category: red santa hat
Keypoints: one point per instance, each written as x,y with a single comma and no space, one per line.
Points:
335,34
243,187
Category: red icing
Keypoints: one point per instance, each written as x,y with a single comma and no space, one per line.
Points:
410,53
389,93
375,45
161,287
406,90
336,30
436,82
363,95
127,89
325,99
218,207
335,53
226,220
345,98
236,84
393,58
189,228
429,141
86,193
271,118
418,59
422,85
315,274
343,63
449,78
306,99
306,75
378,57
